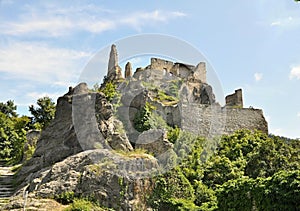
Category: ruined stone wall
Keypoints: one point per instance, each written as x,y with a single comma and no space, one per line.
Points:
235,99
161,64
209,121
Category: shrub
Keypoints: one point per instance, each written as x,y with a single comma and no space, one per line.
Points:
65,197
110,91
83,205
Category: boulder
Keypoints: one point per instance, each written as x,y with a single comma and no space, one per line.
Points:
154,141
115,180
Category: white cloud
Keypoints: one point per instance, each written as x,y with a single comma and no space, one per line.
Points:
286,22
295,72
40,63
298,114
37,95
258,76
51,21
140,19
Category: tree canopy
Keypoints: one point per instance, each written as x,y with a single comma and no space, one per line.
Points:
248,170
44,113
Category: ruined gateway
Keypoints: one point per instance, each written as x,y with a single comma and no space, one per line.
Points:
75,153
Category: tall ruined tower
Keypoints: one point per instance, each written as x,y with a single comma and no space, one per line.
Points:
114,71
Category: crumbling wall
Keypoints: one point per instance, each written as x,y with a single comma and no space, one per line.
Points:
161,64
235,99
213,120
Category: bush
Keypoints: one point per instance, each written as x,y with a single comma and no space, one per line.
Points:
65,198
179,204
83,205
172,184
110,91
173,134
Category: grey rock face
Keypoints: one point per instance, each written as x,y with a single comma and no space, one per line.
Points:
82,121
154,141
110,178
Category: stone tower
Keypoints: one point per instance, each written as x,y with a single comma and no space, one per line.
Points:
128,70
235,99
114,71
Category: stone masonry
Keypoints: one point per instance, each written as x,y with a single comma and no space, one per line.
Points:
235,99
197,111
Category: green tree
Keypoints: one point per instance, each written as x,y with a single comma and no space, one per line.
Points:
12,137
279,192
44,113
169,188
142,119
9,108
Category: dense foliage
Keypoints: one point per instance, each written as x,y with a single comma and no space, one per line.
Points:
110,91
12,137
248,171
44,113
13,129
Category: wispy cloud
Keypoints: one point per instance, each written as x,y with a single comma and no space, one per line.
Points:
286,22
258,76
295,72
52,21
139,19
298,114
37,95
41,63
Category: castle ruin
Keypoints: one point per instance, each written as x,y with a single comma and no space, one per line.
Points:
197,110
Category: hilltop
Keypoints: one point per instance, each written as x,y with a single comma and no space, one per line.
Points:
111,145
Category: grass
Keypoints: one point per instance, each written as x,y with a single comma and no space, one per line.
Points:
136,153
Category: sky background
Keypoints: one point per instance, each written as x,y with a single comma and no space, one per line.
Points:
253,45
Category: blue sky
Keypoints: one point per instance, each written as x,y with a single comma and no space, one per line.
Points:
253,45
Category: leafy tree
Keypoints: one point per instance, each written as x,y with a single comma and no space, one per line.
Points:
8,108
279,192
12,137
44,113
206,198
142,118
170,187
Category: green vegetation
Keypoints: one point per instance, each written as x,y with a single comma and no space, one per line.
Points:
142,120
12,133
77,203
166,95
83,205
248,170
13,129
9,108
44,113
110,91
65,197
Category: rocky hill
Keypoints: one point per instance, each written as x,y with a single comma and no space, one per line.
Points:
107,144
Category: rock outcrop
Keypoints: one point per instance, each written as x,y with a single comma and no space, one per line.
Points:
128,70
114,71
83,121
154,141
115,180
